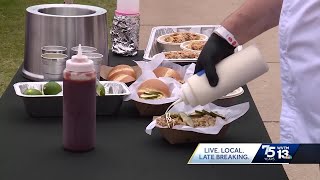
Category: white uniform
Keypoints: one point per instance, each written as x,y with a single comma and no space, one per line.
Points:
299,31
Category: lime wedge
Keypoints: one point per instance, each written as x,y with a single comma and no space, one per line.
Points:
32,92
100,89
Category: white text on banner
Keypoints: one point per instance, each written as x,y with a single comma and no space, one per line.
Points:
224,153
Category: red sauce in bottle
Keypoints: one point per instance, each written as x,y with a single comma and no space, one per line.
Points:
79,114
79,104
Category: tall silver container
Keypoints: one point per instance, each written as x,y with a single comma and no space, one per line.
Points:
65,25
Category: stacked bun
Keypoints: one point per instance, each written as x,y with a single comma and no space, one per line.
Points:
153,89
122,73
167,72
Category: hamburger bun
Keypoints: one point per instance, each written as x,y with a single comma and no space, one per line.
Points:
120,70
123,78
167,72
153,89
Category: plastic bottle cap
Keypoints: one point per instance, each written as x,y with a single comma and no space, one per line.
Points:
79,63
128,6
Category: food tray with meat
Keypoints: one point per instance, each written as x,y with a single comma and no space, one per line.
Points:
186,124
194,46
168,39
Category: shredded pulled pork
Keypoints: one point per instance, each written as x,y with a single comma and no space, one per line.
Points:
203,121
181,55
196,45
180,37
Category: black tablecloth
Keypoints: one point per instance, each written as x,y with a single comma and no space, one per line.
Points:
31,148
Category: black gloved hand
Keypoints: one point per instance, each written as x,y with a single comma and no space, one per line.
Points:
215,50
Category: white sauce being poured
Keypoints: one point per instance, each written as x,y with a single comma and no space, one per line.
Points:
167,114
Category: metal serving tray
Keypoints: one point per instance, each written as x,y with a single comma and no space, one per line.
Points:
51,105
153,47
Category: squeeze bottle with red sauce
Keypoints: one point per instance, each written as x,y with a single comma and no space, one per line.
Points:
79,104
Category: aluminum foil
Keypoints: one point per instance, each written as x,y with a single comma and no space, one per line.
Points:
114,88
125,34
24,87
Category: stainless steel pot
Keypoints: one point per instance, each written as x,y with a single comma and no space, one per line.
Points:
65,25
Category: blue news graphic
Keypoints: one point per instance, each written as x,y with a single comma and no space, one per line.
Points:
307,154
275,153
255,153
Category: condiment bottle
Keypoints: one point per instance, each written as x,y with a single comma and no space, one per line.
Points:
234,72
79,104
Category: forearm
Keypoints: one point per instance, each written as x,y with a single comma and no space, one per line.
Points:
253,18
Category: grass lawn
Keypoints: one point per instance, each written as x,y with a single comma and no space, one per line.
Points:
12,21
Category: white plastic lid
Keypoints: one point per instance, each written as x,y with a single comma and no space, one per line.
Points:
79,63
128,6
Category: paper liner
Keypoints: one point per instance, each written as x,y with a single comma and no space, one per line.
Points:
147,73
174,88
105,70
231,114
185,71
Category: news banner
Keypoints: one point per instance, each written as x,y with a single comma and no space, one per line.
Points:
255,153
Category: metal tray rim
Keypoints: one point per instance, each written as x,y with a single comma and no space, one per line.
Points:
176,60
19,93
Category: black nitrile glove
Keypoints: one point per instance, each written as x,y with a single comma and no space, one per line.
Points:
215,50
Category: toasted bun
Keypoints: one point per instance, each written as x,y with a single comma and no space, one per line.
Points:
123,78
121,69
167,72
154,85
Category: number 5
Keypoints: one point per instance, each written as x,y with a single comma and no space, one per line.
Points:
269,150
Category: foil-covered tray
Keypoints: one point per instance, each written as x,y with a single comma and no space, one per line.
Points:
51,105
154,48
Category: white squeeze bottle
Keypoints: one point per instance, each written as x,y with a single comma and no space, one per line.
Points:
234,72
